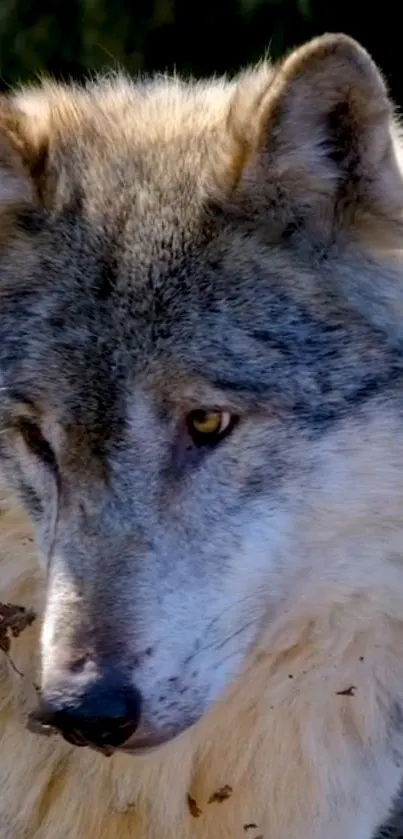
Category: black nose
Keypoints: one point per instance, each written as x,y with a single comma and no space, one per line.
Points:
104,715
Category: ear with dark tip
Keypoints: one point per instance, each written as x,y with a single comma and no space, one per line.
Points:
320,144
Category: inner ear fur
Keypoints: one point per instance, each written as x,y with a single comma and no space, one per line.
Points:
318,141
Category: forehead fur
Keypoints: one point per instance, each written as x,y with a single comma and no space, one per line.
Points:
161,138
225,223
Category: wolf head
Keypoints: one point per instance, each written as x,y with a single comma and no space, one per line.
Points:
201,306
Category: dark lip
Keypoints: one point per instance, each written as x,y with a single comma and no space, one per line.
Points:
144,741
135,746
145,745
139,751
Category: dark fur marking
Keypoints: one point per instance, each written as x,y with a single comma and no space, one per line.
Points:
341,146
31,220
30,500
395,732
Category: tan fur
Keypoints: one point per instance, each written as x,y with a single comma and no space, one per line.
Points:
262,741
307,740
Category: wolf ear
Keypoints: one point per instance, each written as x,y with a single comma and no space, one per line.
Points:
24,144
318,144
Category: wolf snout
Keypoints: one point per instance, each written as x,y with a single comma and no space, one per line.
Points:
103,713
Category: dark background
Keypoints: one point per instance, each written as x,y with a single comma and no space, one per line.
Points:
72,38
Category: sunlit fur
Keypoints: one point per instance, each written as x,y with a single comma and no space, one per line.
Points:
187,217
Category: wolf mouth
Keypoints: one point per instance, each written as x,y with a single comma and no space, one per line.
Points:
38,725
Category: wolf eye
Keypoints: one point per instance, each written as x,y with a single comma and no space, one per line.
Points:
35,441
208,427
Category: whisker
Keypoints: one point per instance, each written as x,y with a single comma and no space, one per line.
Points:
234,605
234,635
213,645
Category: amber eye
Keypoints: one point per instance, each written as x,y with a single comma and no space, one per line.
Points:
208,427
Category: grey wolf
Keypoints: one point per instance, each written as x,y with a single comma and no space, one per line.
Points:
201,413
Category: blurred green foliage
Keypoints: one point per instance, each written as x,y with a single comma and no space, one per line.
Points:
72,38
